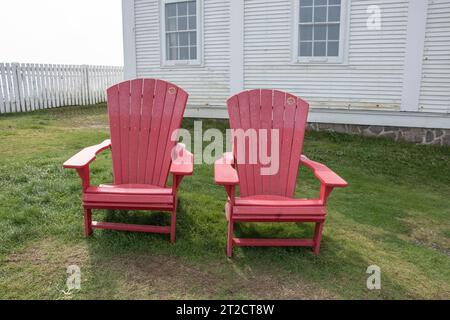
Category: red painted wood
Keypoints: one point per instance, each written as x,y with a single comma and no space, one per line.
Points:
233,111
114,127
124,129
184,162
143,114
130,227
172,136
127,198
255,123
278,124
273,242
324,174
144,135
128,206
135,128
277,218
86,156
301,115
270,198
246,167
282,210
137,189
270,109
277,201
160,95
224,172
266,124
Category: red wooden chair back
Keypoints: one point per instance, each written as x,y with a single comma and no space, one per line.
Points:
269,109
143,114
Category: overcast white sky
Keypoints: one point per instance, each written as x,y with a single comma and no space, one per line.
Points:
61,31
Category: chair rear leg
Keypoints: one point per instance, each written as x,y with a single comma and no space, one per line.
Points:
87,222
317,237
230,239
173,223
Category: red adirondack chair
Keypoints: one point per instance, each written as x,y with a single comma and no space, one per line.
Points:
269,198
143,114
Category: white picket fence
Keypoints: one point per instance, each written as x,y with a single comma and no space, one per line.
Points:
27,87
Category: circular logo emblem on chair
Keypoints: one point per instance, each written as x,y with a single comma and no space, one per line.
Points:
172,90
290,101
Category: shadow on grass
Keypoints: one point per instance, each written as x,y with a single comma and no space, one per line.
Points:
339,270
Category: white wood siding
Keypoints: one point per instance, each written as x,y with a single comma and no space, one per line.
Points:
208,85
435,91
372,79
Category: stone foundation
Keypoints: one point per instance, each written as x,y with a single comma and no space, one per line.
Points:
435,137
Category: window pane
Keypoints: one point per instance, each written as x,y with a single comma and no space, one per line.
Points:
333,48
320,49
304,3
334,14
172,39
305,49
320,2
306,15
333,32
192,38
320,32
335,2
182,23
306,33
193,51
184,38
192,22
182,9
171,10
173,54
184,53
172,24
320,14
192,8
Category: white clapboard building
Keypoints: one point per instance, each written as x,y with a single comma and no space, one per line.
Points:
380,67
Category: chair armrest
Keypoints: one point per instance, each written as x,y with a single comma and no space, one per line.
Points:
183,164
86,156
224,172
324,174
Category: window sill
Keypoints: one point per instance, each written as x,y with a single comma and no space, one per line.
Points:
181,64
324,61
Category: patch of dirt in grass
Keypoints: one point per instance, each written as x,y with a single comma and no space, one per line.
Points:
39,272
163,277
428,233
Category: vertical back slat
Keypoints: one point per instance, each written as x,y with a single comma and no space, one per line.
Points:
255,121
135,117
174,124
235,122
144,134
266,124
160,95
114,127
124,110
277,124
288,132
166,117
301,116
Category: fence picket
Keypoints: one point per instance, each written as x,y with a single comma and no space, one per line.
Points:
29,86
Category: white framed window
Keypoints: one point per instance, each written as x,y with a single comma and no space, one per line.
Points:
320,31
181,32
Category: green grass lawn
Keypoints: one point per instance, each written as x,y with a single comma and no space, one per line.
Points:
395,214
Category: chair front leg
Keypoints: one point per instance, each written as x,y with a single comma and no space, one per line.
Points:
325,192
231,195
